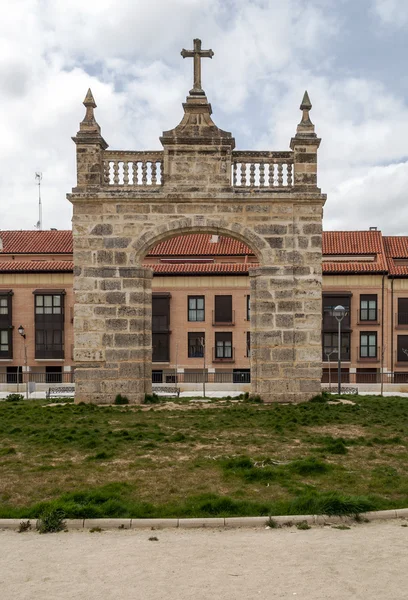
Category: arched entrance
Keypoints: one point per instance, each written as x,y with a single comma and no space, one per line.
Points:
126,202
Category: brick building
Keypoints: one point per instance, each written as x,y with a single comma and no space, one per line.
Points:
201,309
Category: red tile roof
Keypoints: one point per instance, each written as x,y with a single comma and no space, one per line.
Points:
353,268
36,266
200,244
36,242
396,247
352,242
202,269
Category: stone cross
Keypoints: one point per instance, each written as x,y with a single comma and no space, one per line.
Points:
197,54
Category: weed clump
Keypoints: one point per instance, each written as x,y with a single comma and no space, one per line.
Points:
151,399
51,520
24,526
14,397
321,398
119,400
303,525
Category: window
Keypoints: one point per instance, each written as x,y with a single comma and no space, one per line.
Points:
196,308
53,374
329,303
160,312
48,304
4,341
161,350
368,345
330,346
157,376
402,348
402,311
4,305
248,343
49,324
241,376
248,308
223,345
223,309
6,338
368,307
14,375
196,344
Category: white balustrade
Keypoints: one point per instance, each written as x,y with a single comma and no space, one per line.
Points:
133,169
262,169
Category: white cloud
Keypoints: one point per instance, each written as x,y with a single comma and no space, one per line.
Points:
267,52
392,12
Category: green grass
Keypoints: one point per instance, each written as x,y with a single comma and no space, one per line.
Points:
215,459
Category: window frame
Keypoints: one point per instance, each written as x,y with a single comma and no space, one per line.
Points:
368,345
224,347
369,298
195,335
196,309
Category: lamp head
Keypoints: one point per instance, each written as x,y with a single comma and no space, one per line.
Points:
339,312
21,331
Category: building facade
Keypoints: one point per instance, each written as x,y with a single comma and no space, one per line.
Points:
201,310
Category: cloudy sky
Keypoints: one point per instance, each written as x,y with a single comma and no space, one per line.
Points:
351,56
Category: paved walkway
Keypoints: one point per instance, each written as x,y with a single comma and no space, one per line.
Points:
367,562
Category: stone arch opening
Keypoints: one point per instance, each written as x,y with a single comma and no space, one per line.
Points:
201,307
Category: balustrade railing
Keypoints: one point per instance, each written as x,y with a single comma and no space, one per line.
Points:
133,169
262,169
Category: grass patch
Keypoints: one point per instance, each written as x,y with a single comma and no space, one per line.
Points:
191,459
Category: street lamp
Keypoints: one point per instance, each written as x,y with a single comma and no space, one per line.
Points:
328,355
202,340
22,332
339,313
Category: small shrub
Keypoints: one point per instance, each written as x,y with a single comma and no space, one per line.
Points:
303,525
321,398
119,400
253,399
95,530
151,399
272,524
24,526
14,397
7,451
336,446
51,520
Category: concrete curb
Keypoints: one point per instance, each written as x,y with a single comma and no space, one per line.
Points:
213,522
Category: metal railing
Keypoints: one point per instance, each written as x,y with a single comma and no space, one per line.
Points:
37,377
198,376
401,319
363,316
217,320
367,349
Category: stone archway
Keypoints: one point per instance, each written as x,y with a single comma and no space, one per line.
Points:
125,202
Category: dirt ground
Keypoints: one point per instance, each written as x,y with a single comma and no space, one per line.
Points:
366,562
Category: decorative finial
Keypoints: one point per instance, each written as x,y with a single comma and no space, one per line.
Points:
197,54
89,99
306,126
306,104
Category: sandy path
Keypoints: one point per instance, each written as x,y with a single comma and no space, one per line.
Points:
366,562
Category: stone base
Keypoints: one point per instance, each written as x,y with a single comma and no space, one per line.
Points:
107,399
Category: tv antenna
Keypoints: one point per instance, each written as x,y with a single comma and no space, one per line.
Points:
38,178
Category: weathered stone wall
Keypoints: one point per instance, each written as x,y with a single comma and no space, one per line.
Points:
115,225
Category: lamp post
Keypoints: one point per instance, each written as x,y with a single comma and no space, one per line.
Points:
202,340
339,313
328,355
21,331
